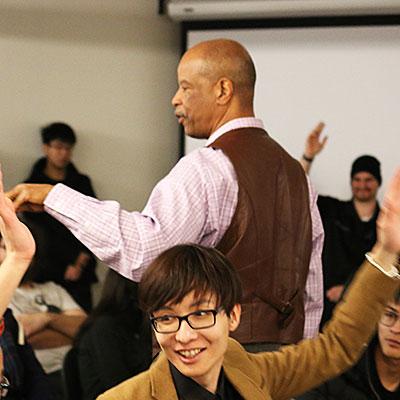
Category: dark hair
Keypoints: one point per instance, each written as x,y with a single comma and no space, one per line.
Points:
185,268
119,296
60,131
368,164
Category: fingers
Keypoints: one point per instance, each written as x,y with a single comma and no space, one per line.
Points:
392,196
319,128
13,193
316,133
18,196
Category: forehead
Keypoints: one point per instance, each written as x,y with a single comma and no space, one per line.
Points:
192,65
363,175
192,300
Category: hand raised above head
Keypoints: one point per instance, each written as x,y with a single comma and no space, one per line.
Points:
17,237
314,144
29,196
388,223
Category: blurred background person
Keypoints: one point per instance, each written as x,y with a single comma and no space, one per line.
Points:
71,265
377,374
49,316
114,343
350,225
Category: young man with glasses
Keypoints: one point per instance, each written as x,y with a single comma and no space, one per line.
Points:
193,294
377,374
69,263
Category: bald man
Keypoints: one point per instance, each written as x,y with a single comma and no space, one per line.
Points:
242,193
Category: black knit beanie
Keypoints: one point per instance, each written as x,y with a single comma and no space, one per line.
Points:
367,164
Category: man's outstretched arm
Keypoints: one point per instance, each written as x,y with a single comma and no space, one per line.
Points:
193,203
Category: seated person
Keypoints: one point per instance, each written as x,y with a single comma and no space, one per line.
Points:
22,371
349,225
114,343
50,319
377,373
192,294
70,264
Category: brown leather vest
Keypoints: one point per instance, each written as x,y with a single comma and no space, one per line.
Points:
269,239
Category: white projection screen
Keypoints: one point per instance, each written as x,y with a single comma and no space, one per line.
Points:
348,77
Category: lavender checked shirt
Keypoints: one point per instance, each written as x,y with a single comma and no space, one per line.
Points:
194,203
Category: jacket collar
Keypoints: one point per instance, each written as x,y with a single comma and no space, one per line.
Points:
246,379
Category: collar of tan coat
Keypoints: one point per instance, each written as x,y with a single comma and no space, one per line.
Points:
239,370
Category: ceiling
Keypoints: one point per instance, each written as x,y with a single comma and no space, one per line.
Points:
75,6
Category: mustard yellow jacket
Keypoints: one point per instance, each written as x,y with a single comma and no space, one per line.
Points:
294,369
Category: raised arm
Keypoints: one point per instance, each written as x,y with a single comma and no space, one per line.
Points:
354,320
19,249
313,146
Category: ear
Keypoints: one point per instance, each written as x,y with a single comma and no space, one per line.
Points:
234,317
224,91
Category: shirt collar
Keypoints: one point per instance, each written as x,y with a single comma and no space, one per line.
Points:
237,123
187,388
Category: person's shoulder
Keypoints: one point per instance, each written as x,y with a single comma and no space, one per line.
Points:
138,387
202,155
37,172
236,356
328,203
206,163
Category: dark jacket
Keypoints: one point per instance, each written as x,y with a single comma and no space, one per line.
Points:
358,383
27,378
269,239
347,239
58,247
113,348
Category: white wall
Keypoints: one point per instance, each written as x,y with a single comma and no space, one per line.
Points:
345,76
109,74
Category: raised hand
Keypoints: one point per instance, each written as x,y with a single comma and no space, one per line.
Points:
17,238
20,248
314,144
29,196
388,223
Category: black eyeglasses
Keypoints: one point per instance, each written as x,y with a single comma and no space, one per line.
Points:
389,318
4,386
199,319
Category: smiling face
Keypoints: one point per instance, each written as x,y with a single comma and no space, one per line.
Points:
389,337
198,353
364,187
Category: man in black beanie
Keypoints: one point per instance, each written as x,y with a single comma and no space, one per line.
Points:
350,226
